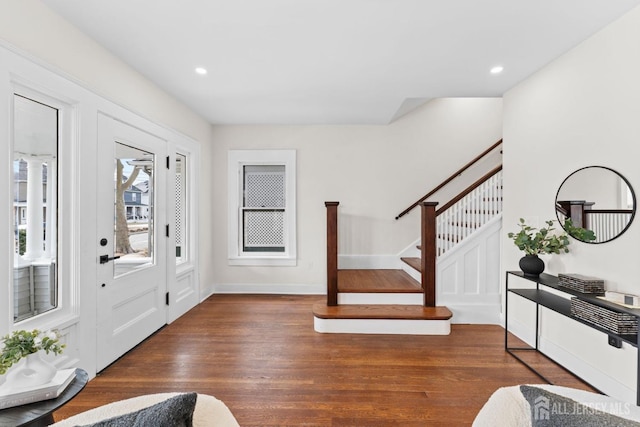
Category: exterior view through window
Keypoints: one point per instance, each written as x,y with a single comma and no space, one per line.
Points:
35,191
133,185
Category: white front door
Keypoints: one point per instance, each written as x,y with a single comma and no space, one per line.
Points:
132,206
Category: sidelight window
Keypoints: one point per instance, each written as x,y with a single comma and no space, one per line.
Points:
35,191
181,209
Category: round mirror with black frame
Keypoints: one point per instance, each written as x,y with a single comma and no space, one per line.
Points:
595,204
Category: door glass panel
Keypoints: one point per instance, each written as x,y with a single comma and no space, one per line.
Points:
35,191
134,201
181,208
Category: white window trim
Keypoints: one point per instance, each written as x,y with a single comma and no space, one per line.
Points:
66,312
236,160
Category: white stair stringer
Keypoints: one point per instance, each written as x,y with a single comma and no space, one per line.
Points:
411,251
415,274
468,277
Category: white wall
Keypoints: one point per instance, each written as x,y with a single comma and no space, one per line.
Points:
373,171
580,110
35,29
34,32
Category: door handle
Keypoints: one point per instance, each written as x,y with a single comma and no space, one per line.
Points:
105,258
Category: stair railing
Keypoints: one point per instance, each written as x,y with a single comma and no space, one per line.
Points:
450,179
606,224
480,198
470,210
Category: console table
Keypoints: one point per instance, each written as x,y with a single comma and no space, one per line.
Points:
39,414
558,304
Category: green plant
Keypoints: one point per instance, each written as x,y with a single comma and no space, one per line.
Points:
22,343
579,233
535,241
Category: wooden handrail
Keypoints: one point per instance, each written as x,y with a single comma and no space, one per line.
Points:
562,210
448,180
332,252
469,189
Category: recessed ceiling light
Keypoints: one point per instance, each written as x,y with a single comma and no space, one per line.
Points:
200,70
497,69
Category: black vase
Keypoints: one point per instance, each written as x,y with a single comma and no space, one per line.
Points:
531,265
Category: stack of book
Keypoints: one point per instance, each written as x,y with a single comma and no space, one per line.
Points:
580,283
13,396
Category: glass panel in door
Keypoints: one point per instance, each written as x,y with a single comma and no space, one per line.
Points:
134,203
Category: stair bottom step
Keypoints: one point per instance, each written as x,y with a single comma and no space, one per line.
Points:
391,311
387,319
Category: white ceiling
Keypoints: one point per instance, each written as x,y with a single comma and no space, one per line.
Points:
334,61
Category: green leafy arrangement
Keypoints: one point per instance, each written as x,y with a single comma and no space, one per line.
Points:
22,343
535,241
579,233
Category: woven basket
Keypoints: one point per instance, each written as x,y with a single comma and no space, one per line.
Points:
580,283
616,322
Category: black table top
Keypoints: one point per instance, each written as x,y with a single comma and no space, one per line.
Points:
30,414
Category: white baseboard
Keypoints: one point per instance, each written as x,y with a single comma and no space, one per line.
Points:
382,326
474,314
575,364
206,293
588,372
411,250
368,262
524,332
269,288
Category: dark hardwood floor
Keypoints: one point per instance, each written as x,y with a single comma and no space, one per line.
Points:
377,281
261,356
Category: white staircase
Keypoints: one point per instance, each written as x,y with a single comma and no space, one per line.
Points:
466,253
468,263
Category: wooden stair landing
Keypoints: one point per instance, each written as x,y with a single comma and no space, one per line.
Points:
407,312
377,281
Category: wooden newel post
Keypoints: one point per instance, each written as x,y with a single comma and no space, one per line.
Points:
332,252
428,256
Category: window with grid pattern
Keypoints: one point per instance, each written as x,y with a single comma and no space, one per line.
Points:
262,197
263,208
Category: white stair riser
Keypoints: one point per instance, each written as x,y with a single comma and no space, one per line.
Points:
382,326
412,272
380,298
